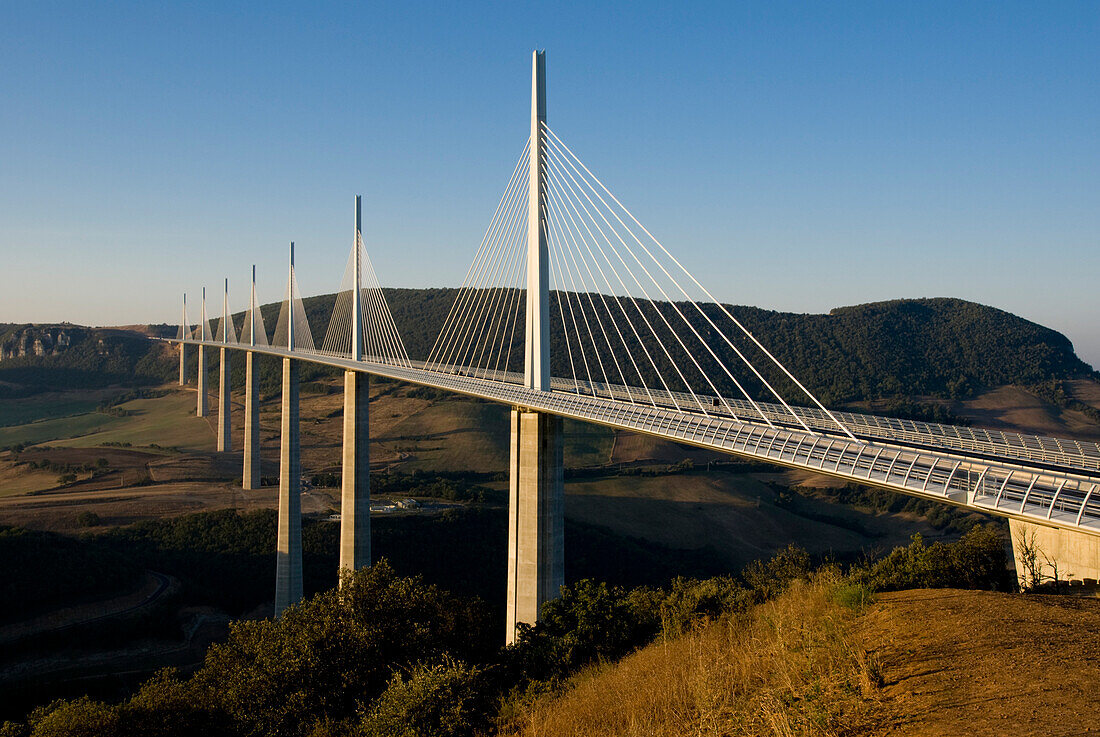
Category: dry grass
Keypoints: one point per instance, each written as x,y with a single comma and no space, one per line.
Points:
791,667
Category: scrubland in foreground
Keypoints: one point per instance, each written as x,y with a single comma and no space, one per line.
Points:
773,651
789,666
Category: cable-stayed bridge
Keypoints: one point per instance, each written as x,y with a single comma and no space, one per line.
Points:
572,308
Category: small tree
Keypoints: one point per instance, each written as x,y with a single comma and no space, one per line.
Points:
1027,556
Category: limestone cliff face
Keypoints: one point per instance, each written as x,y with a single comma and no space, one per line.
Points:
38,340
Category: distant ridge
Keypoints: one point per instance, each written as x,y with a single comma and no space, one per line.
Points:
941,347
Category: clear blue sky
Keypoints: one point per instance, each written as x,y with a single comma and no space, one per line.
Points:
798,156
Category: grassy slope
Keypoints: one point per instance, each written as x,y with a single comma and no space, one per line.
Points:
162,421
167,421
77,426
921,663
790,667
49,406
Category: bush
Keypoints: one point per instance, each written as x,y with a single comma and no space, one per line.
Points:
445,699
79,718
313,667
769,578
88,519
852,596
690,601
589,622
976,561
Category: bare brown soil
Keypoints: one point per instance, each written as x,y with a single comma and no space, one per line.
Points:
733,515
57,511
983,664
1015,408
1087,391
631,447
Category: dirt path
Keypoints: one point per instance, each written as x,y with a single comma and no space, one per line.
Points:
153,586
981,664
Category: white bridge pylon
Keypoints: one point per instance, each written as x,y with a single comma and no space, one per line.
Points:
363,328
627,320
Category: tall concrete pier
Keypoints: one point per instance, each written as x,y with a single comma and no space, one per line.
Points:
225,419
250,479
251,475
355,492
288,547
536,497
201,409
355,483
183,334
536,520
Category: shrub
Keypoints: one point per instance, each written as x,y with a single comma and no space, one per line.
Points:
769,578
78,718
690,601
977,560
88,519
854,596
445,699
590,621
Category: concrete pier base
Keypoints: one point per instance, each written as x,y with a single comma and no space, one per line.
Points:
225,419
355,496
250,479
288,548
536,560
202,410
183,364
1075,555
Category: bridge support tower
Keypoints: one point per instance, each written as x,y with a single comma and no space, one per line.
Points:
225,419
536,519
184,334
536,560
201,410
250,478
225,377
288,545
355,479
355,475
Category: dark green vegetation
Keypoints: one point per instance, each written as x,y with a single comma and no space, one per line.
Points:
940,347
87,358
226,560
44,570
389,655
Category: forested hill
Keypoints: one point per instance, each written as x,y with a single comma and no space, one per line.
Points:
942,347
40,357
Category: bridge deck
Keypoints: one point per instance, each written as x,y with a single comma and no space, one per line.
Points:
1042,480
